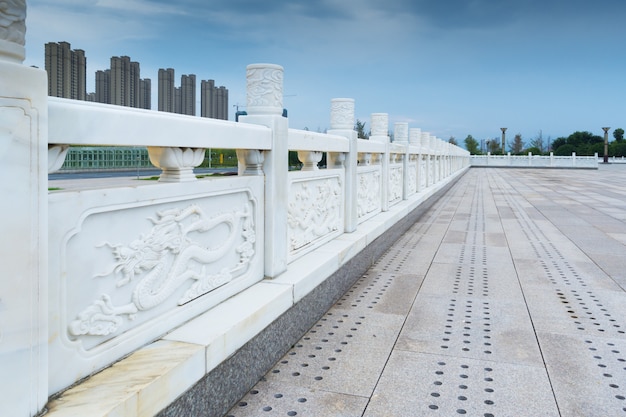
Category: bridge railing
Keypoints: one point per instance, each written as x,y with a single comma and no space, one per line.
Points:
90,275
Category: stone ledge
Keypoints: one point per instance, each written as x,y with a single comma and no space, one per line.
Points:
139,385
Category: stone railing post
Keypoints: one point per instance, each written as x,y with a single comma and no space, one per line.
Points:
425,151
415,134
380,133
24,243
401,137
265,107
342,124
434,159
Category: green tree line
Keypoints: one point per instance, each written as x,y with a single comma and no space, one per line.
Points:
583,143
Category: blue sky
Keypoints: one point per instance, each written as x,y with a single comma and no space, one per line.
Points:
453,67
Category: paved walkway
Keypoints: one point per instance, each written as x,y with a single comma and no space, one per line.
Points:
506,299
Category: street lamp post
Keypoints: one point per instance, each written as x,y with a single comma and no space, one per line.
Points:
503,129
606,144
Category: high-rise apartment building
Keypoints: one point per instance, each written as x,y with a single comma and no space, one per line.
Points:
167,100
66,70
145,94
122,84
103,90
213,100
188,94
124,80
174,99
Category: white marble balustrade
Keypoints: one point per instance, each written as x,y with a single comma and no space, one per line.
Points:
93,275
536,161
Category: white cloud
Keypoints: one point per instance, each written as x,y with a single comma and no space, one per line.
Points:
140,7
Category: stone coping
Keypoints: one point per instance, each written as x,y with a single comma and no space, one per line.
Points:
151,378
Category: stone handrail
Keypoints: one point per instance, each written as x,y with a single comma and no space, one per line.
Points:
85,123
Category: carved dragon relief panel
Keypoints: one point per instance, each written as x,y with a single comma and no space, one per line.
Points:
315,210
368,193
183,255
395,183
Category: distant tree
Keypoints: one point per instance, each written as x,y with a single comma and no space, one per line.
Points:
583,138
493,146
534,150
538,142
359,126
294,162
618,134
471,145
586,143
518,144
558,142
564,150
453,141
617,148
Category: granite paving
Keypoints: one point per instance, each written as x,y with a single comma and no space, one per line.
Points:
506,298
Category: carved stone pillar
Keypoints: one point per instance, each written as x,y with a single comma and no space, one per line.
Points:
342,124
265,107
380,127
12,31
24,243
264,93
415,134
401,133
380,133
342,113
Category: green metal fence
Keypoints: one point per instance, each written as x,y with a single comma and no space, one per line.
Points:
79,158
120,158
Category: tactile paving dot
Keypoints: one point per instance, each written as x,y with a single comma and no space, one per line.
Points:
610,360
461,389
367,291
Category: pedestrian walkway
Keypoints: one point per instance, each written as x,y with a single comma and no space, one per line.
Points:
505,299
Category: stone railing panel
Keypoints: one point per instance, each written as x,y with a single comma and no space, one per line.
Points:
126,269
315,209
368,191
396,175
